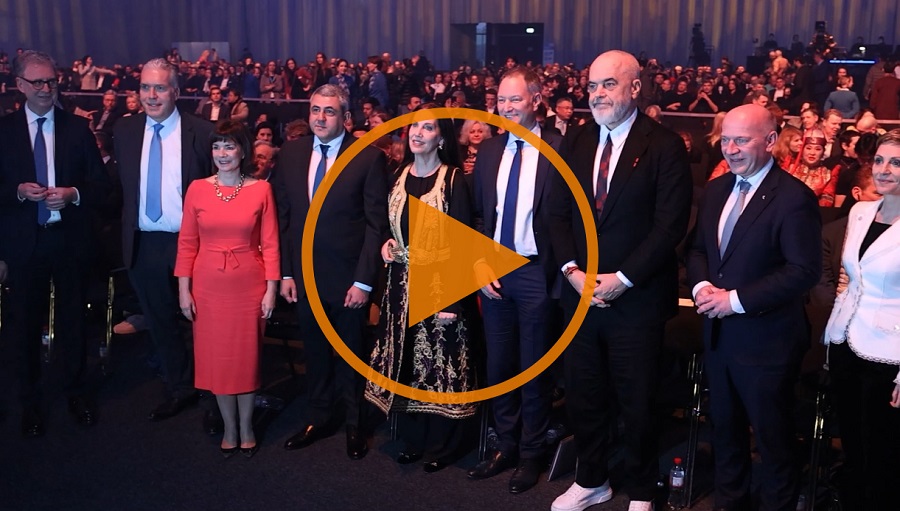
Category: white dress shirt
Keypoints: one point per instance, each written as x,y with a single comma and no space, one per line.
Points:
49,130
524,237
171,191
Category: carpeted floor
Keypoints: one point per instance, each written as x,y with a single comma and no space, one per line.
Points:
126,462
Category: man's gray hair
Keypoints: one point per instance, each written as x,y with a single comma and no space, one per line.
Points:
164,65
33,57
333,91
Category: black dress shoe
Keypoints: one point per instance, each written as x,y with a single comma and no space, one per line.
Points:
213,424
228,452
248,452
431,467
172,407
495,463
32,424
305,438
82,411
405,458
357,448
525,476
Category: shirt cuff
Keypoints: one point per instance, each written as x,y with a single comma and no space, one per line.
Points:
568,265
367,289
624,279
698,287
287,277
77,200
736,305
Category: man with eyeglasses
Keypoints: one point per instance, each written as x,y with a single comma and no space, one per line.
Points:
159,153
50,175
350,229
636,176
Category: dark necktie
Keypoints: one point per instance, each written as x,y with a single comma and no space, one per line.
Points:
41,169
154,175
320,170
603,176
733,215
508,224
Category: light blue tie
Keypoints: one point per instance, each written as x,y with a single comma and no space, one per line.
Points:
154,175
733,215
41,168
320,170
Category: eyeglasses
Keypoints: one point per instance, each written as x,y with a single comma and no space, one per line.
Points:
39,84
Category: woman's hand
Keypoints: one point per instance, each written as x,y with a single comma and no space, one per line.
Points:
268,303
186,302
445,318
895,396
387,250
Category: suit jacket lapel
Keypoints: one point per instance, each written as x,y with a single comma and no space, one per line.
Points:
635,145
886,243
760,201
303,172
543,170
61,136
22,144
583,166
187,153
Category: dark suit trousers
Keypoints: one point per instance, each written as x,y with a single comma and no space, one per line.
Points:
152,276
27,304
762,395
328,377
516,332
610,357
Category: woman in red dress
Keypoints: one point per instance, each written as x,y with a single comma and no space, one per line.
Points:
228,271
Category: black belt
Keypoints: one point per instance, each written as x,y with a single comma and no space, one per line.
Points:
50,225
532,259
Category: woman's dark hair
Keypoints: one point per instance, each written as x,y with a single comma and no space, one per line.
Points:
449,154
865,147
235,131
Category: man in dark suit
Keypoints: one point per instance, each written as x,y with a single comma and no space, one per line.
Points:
50,175
564,118
153,187
103,119
636,174
216,109
755,255
350,229
511,195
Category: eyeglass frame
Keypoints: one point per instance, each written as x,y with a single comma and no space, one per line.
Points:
52,83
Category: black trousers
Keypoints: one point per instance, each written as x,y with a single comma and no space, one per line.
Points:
869,428
516,335
438,438
152,276
26,306
330,380
611,360
761,396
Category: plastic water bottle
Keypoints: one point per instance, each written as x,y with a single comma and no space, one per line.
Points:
676,486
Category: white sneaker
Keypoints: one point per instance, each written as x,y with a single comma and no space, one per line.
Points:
577,498
640,505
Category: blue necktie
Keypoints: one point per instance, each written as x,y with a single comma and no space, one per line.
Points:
508,224
154,176
733,216
41,169
320,170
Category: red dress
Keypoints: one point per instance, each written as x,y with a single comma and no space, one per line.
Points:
229,249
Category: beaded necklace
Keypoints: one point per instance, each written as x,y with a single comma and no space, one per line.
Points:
232,195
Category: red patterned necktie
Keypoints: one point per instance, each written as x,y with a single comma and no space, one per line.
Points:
603,176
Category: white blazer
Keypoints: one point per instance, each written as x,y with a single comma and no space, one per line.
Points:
867,313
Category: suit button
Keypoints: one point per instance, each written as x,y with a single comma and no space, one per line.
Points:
720,275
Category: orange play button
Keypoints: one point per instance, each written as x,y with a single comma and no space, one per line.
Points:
443,256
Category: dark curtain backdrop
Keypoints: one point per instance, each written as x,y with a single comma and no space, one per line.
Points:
126,31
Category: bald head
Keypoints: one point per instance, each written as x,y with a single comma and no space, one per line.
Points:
613,86
748,137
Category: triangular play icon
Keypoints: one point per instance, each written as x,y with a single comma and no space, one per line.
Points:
443,253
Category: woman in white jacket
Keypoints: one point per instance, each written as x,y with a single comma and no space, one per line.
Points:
864,334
